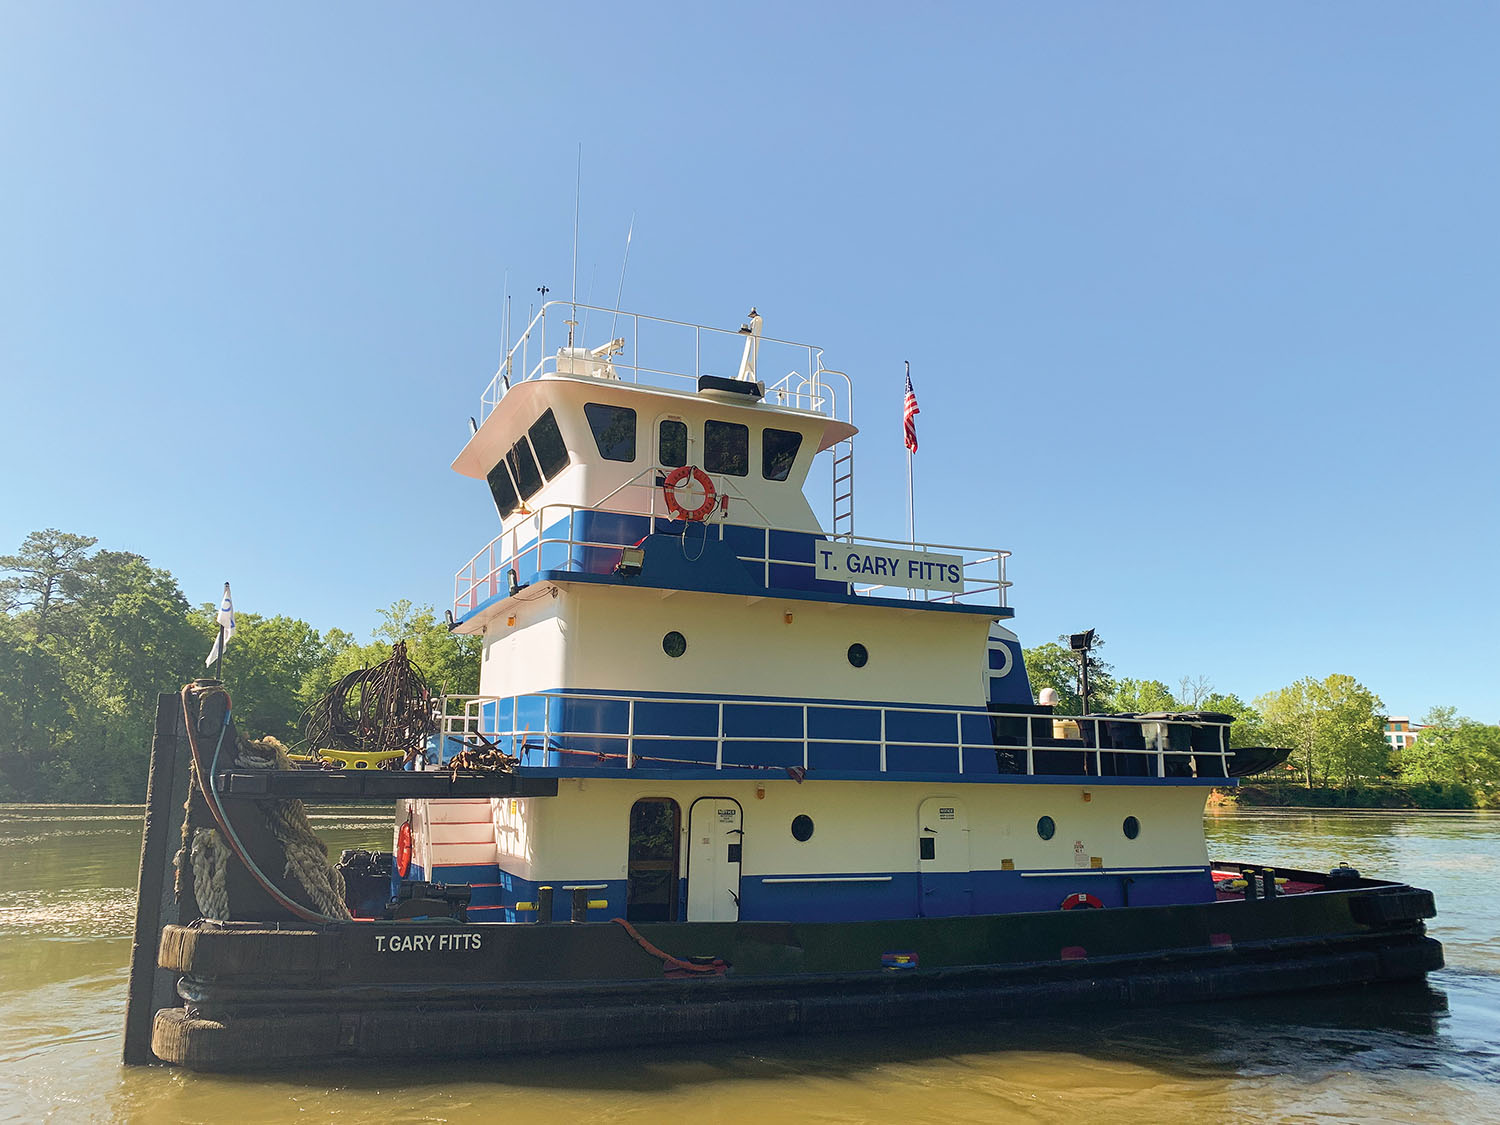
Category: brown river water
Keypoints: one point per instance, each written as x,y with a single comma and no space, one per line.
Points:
1425,1053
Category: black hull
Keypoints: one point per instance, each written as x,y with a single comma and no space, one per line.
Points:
259,998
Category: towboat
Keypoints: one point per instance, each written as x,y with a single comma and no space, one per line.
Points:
731,771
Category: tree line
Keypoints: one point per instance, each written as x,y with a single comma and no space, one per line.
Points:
89,637
1335,727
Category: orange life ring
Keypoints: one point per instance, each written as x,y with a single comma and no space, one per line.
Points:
669,491
1081,901
403,849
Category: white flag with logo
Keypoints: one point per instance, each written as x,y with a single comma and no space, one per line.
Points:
226,625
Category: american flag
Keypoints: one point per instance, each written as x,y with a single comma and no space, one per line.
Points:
910,413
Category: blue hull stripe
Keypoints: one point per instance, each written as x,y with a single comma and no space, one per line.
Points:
858,896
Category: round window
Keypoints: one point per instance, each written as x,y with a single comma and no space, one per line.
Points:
802,827
859,656
674,644
1132,828
1046,828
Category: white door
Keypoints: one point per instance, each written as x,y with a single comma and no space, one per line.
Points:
713,880
943,859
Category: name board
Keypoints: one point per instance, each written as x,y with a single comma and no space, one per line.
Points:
428,943
869,565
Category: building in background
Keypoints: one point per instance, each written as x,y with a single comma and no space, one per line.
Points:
1400,731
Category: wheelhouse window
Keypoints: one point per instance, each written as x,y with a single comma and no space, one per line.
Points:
547,440
671,444
523,468
778,450
503,490
614,430
726,448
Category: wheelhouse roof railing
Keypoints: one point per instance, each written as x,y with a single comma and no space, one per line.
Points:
665,353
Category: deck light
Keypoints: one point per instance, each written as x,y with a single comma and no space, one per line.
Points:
631,561
1080,643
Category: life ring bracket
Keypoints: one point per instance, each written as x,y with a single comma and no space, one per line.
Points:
675,479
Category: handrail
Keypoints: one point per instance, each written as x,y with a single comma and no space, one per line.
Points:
477,574
1155,752
609,360
724,486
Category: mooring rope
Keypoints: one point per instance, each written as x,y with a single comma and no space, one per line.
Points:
305,854
716,967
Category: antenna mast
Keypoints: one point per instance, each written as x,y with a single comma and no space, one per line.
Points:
619,293
577,193
505,332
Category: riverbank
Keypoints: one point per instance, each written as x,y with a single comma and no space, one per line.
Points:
1424,795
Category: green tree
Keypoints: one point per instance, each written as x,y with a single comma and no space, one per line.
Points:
88,639
1334,726
1054,665
46,575
1140,696
448,662
40,594
139,638
1453,748
266,665
1249,727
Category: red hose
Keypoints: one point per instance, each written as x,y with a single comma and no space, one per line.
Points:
716,967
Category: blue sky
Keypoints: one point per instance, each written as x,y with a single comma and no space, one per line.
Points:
1200,300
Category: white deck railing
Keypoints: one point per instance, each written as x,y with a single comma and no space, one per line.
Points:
667,353
521,548
463,719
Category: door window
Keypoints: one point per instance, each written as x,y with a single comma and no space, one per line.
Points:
651,873
672,444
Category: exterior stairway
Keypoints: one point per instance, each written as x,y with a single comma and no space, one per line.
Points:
458,846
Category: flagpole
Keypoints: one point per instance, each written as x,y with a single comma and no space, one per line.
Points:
911,511
225,620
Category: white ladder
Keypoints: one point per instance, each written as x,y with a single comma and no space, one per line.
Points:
843,489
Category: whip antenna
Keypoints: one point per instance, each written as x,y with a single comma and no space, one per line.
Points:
621,291
577,192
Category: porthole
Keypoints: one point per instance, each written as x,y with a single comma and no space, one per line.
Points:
674,644
1046,828
1131,827
859,656
802,827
